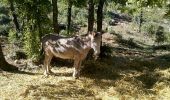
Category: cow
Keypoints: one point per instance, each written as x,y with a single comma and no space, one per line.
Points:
75,48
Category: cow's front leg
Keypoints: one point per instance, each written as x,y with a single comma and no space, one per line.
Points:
47,60
76,72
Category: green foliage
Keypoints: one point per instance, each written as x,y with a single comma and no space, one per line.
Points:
157,31
4,19
167,36
64,33
35,14
4,29
14,39
167,14
160,35
31,44
77,3
36,23
150,28
79,16
12,36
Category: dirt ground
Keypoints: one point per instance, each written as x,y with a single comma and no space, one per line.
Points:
132,71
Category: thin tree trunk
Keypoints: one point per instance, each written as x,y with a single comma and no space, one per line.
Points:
69,16
100,15
4,65
15,20
90,15
39,23
55,16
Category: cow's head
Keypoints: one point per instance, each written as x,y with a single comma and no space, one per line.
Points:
96,38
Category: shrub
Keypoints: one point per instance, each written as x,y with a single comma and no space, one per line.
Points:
32,44
4,20
12,36
168,36
150,28
160,35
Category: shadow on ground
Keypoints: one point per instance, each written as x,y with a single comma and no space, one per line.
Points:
52,91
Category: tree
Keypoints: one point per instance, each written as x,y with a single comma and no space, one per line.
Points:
90,15
71,3
139,5
69,9
4,65
15,19
34,14
55,16
100,15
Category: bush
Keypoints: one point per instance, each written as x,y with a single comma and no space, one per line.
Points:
4,29
32,44
79,16
160,35
168,36
12,36
4,20
150,28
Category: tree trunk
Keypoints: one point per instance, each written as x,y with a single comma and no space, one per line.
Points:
3,64
2,58
55,16
39,24
90,15
69,15
15,20
100,15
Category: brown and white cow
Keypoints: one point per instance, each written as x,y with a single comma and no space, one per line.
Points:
75,48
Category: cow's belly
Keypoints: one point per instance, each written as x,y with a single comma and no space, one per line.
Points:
63,53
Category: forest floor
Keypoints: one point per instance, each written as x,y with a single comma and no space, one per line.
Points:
133,71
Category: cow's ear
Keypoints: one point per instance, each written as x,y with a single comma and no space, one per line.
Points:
92,33
98,34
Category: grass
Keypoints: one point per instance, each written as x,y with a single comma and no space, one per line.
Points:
100,80
128,72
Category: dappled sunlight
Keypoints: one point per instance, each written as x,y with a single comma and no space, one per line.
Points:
133,61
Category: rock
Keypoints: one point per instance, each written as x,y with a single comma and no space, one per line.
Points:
113,22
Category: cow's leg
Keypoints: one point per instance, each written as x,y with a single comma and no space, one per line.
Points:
79,67
47,60
45,65
77,64
48,65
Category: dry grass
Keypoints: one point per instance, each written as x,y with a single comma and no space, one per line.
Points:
128,74
103,82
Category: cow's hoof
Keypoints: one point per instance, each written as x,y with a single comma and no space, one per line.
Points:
45,74
76,75
52,73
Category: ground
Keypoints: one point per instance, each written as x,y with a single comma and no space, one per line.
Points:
133,70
